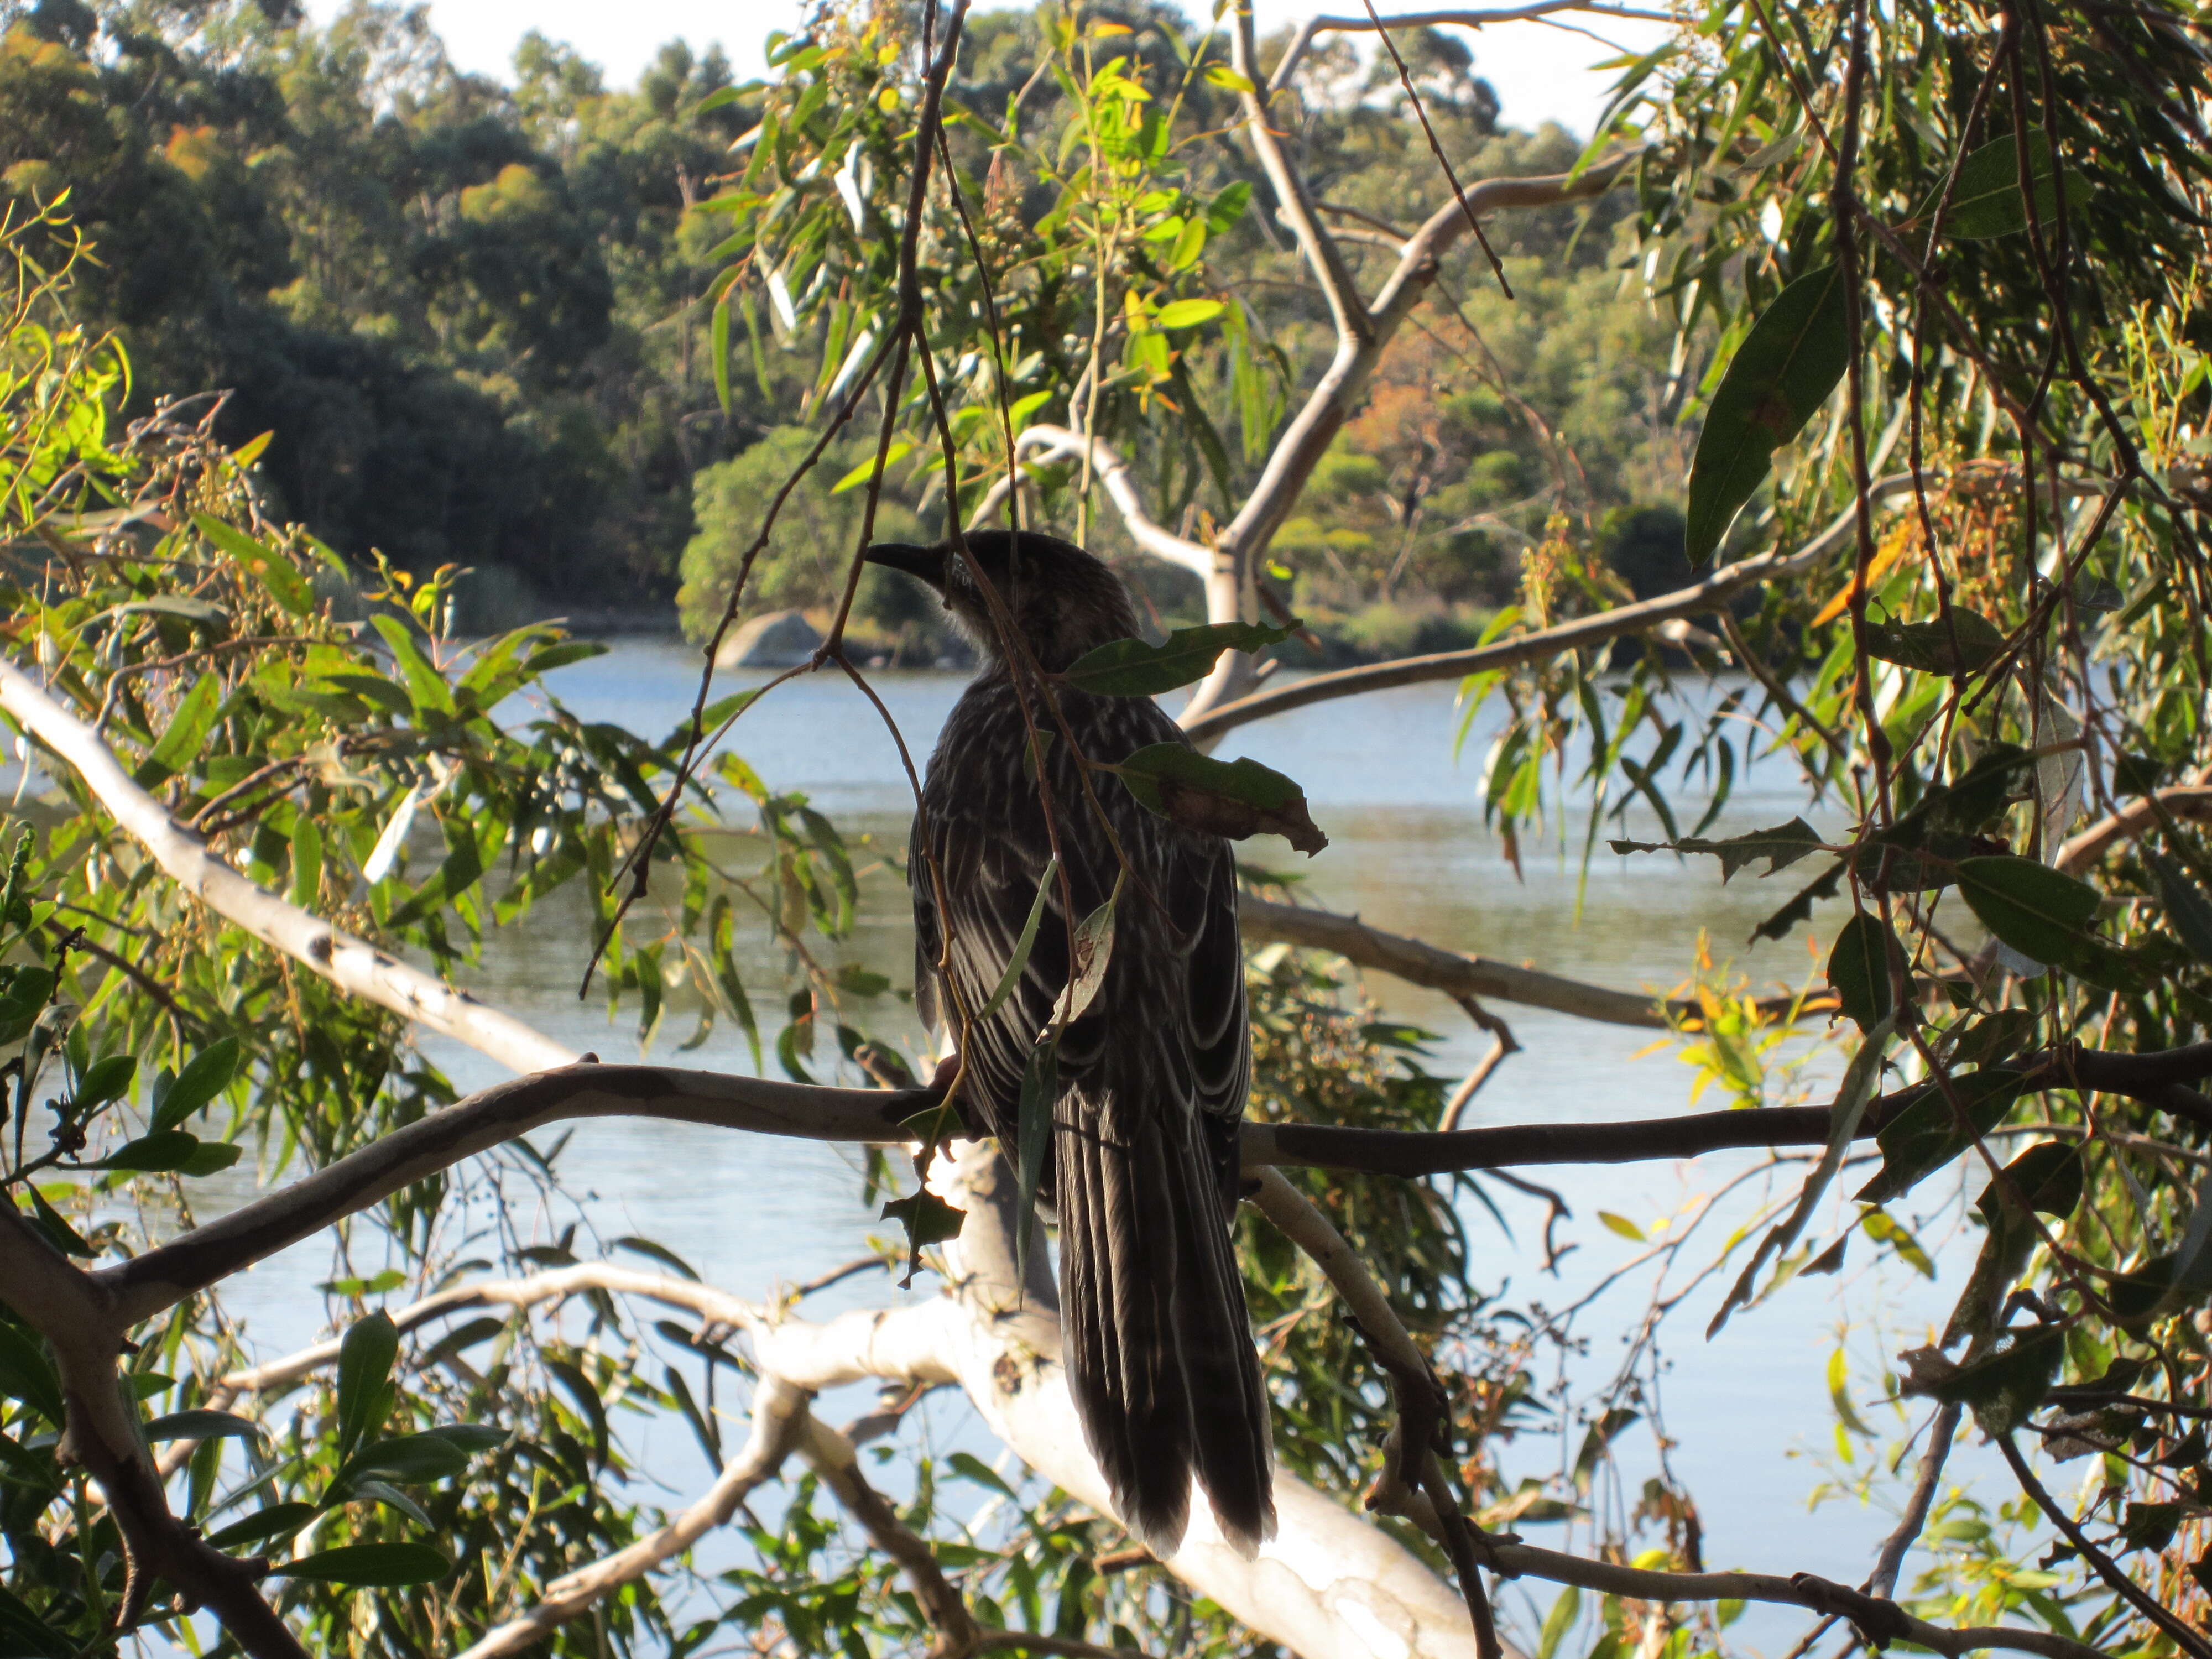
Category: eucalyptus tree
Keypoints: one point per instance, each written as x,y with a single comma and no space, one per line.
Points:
1947,480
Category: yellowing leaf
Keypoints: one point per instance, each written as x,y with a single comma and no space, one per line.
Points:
1621,1225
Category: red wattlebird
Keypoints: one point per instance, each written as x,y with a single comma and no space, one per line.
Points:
1142,1170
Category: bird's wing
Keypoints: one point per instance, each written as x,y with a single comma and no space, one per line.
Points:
989,885
1220,1032
1174,985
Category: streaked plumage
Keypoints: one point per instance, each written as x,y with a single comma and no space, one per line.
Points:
1157,1342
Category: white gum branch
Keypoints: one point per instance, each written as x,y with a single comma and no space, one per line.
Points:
1113,472
780,1421
1303,40
353,965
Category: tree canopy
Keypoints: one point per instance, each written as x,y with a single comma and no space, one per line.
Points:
1884,458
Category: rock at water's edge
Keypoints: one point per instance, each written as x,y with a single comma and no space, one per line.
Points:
778,638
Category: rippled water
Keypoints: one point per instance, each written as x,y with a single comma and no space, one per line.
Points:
1408,852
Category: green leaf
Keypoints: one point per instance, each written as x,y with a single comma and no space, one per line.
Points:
365,1359
306,862
661,1253
24,1000
972,1468
928,1219
1991,1039
1927,1134
2188,911
107,1078
285,584
1094,949
378,1566
1852,1097
203,1425
60,1234
206,1075
373,688
720,346
1226,209
425,684
1034,1126
1859,968
580,1388
277,1520
22,1631
1234,799
1927,645
2046,915
26,1375
543,662
1781,373
1020,960
1188,313
859,475
1621,1225
163,1152
184,736
1986,203
412,1458
1878,1224
1558,1621
2003,1386
2048,1176
1781,847
1131,668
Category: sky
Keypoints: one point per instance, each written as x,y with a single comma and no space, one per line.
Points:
1542,73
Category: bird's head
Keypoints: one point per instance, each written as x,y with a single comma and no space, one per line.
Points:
1063,601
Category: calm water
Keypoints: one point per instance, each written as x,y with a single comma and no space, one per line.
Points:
1744,1414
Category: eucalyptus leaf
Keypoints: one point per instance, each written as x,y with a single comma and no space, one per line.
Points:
1782,372
375,1566
1233,798
1132,668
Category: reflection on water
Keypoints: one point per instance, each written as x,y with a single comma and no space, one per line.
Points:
1409,853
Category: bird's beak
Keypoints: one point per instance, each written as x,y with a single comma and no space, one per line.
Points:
925,562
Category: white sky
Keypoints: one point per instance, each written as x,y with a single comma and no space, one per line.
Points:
1542,73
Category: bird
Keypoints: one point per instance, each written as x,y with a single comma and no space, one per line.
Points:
1143,1172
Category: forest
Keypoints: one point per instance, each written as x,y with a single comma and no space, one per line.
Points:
471,316
1835,412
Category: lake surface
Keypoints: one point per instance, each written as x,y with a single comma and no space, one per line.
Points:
1744,1416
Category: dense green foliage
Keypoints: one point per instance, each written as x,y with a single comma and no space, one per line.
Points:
472,316
464,312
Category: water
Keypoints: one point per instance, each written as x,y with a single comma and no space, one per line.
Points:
1746,1413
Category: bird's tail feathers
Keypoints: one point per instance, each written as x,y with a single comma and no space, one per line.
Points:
1157,1342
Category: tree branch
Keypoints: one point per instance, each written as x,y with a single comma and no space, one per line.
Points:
1358,350
1113,472
780,1421
1944,1424
1409,1462
100,1434
1302,40
1583,632
138,1289
143,1286
2137,818
1695,600
2145,1077
1452,972
353,965
1883,1621
831,1455
2106,1569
